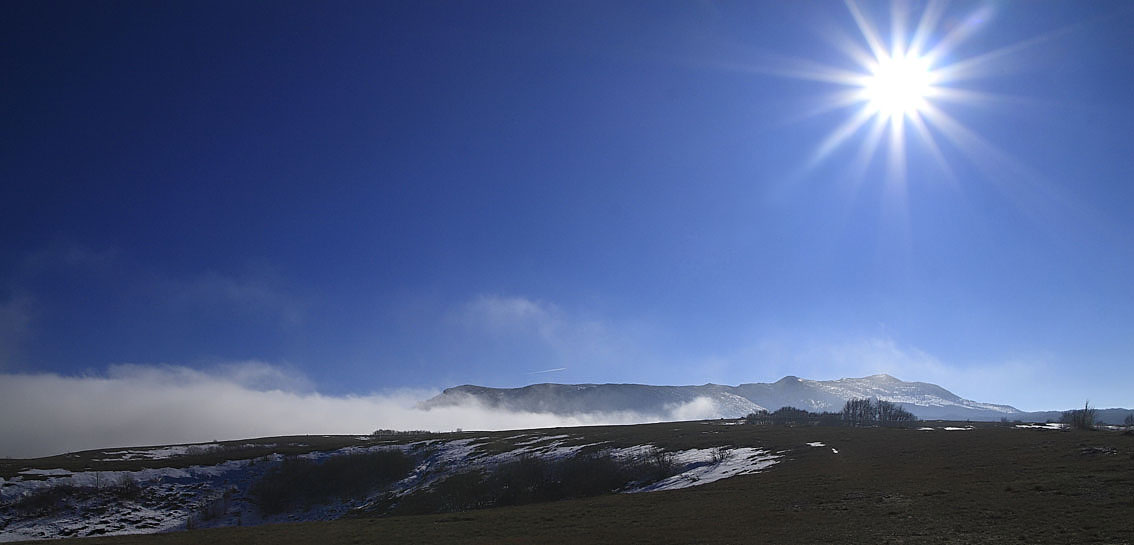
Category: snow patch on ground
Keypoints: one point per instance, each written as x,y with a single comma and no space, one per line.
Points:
539,439
951,428
158,453
174,498
1048,426
816,444
702,469
169,497
47,472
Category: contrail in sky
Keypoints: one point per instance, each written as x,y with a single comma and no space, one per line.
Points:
548,371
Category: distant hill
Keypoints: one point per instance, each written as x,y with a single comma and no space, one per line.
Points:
927,401
567,399
1114,417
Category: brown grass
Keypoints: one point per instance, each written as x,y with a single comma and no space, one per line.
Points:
989,485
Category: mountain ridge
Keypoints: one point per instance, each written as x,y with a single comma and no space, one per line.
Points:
924,399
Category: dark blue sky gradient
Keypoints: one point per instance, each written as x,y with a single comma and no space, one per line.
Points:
370,193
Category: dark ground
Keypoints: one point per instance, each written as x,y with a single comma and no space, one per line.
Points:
988,485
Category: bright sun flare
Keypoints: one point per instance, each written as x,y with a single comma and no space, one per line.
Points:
898,85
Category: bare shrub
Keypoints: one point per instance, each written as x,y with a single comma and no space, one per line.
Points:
867,412
201,450
381,432
46,501
791,416
532,479
721,454
1081,419
300,482
216,506
758,417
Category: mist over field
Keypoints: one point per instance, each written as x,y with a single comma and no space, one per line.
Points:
135,405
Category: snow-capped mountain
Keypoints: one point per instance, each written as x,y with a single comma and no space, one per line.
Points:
567,399
923,399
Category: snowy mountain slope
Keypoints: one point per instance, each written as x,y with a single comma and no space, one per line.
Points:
923,399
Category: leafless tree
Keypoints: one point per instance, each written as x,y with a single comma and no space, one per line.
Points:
867,412
1081,419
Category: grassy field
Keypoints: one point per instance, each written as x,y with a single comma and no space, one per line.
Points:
986,485
104,459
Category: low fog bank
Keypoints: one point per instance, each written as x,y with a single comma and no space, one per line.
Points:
136,405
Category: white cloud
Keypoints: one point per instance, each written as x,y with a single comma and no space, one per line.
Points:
531,332
252,375
134,405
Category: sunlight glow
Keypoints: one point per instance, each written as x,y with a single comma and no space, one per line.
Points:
895,93
898,86
898,82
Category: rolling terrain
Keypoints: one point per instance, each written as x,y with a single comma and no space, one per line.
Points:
935,483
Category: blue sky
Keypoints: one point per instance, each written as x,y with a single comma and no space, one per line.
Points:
370,196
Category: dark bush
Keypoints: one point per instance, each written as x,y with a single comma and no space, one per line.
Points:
46,501
301,483
1081,419
215,506
867,412
721,454
532,480
758,417
857,412
50,500
379,433
127,488
790,416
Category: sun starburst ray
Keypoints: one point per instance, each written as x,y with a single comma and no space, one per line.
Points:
867,150
833,101
852,48
971,24
925,26
906,75
840,135
919,125
896,164
972,98
899,13
867,30
795,68
987,64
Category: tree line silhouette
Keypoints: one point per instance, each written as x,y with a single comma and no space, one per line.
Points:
856,412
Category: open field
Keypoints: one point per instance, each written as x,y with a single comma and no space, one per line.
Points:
985,485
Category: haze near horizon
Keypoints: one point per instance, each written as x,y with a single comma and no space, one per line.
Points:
347,207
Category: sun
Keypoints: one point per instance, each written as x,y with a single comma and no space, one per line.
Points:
898,85
892,94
